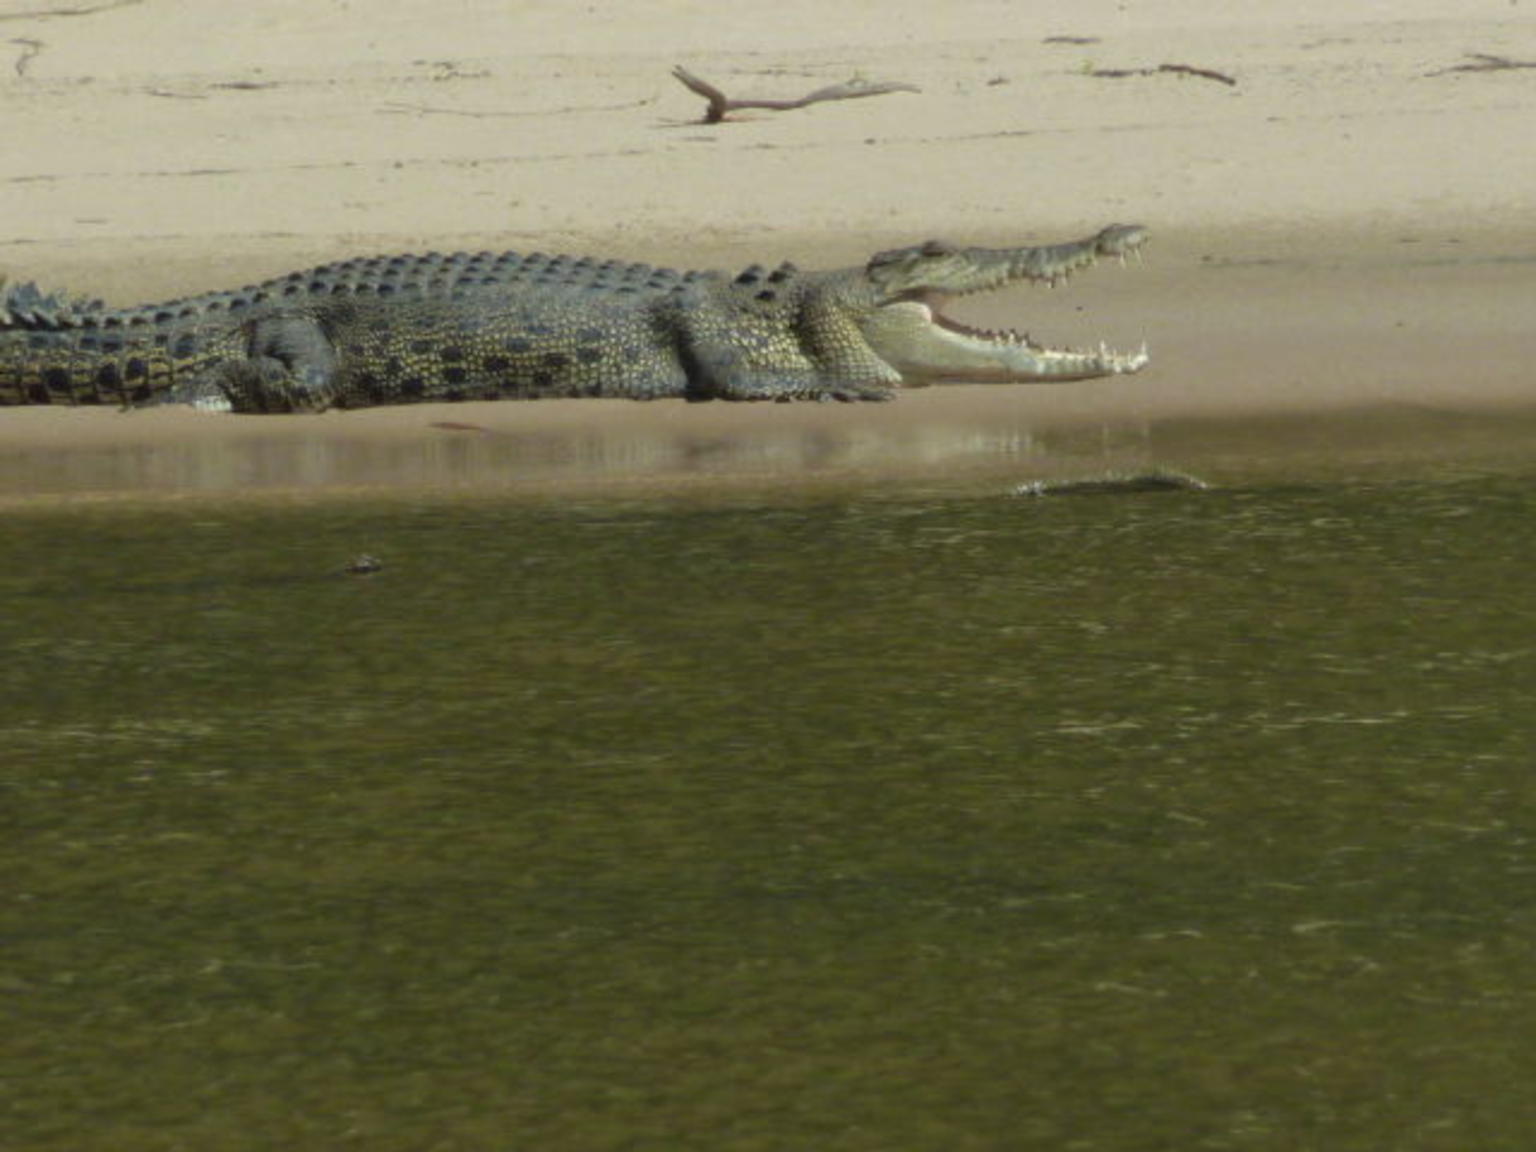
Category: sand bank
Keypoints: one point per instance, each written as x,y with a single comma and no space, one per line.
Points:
1351,221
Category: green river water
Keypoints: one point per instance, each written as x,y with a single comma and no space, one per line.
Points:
870,817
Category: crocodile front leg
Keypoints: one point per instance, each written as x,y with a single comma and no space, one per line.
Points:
777,354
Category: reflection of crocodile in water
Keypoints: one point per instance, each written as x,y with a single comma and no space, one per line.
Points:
397,330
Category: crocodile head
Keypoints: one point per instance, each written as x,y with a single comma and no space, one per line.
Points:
905,325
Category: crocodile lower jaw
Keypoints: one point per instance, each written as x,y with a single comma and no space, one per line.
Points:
927,347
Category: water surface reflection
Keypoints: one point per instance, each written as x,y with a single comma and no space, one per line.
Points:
507,448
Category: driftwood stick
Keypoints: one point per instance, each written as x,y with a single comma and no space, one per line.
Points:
1484,62
721,105
85,10
1176,69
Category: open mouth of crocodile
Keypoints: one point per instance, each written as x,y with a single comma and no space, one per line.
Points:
935,303
927,345
916,336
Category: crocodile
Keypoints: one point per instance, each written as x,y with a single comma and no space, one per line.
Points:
486,326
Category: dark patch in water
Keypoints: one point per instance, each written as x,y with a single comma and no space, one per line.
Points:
1157,480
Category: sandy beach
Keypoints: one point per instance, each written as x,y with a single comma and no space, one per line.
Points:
1342,195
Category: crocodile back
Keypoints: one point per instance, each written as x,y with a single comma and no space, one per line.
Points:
431,275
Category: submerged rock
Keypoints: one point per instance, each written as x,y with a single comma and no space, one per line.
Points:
1154,480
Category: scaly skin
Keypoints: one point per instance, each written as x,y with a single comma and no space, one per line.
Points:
406,329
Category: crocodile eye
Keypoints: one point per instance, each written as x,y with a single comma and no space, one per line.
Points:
938,248
892,256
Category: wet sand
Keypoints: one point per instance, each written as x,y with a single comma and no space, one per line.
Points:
1345,227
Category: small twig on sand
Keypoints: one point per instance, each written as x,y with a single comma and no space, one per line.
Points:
721,105
1176,69
29,51
1484,62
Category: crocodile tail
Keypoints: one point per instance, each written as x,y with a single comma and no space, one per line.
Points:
41,361
26,306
